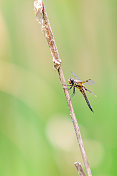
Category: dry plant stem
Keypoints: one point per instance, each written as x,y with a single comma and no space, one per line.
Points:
43,19
75,123
41,15
79,168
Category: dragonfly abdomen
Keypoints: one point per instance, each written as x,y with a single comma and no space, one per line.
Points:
86,99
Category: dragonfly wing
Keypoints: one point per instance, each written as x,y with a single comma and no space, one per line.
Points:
76,76
86,99
89,91
89,82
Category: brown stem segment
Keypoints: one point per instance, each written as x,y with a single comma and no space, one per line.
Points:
79,169
41,15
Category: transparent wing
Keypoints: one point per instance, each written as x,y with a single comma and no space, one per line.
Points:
89,82
89,91
76,76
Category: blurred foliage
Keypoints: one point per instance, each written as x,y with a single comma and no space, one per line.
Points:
36,132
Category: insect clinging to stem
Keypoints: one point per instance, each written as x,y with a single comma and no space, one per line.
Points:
77,83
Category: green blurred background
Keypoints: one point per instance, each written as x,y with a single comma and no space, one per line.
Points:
36,131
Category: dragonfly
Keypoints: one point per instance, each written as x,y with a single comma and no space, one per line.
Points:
77,83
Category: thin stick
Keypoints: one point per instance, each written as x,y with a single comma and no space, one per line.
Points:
75,123
79,169
41,15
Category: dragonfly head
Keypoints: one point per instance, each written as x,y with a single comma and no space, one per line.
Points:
71,81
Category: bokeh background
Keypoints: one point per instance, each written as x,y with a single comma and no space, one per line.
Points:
36,131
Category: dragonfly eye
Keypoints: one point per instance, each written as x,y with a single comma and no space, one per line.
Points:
71,81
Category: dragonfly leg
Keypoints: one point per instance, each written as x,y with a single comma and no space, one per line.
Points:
73,92
70,87
65,86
